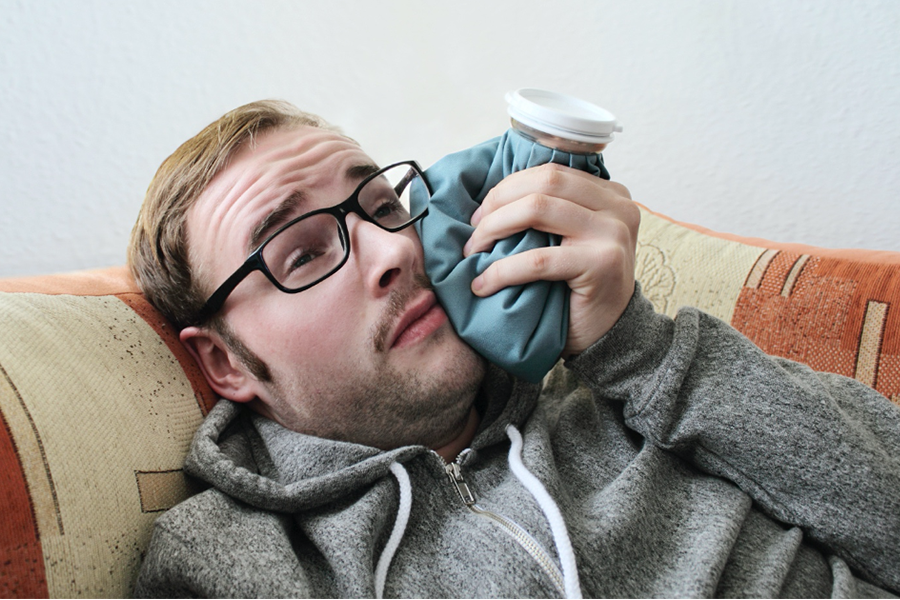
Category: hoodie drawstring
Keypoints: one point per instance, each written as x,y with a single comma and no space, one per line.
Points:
528,481
387,555
551,512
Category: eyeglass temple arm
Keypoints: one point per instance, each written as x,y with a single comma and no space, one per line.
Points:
215,302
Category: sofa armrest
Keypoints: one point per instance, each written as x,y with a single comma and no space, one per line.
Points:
98,404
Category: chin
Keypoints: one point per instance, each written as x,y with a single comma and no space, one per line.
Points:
385,406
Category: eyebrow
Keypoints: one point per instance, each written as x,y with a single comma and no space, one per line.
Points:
360,172
275,219
286,210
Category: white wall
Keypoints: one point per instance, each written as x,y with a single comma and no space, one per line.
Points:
763,118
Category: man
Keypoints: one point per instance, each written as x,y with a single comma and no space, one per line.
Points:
363,449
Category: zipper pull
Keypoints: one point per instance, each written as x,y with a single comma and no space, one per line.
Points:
462,487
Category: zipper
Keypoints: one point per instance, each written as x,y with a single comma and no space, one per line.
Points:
524,539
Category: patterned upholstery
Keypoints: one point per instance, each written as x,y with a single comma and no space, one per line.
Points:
98,403
98,400
830,309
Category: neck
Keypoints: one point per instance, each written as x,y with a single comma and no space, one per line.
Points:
450,451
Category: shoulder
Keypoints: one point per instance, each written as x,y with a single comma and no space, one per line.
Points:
217,516
196,549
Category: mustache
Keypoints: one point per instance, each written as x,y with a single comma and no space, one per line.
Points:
396,303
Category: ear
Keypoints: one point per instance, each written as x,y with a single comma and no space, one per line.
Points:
224,371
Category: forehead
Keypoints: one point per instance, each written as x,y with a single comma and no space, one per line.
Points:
302,155
258,178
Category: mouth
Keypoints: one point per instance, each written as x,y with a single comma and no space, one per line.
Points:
422,317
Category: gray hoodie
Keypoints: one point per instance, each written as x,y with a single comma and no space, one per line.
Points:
672,458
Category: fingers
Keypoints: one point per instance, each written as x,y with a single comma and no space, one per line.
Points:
550,198
535,211
598,224
601,279
580,263
551,180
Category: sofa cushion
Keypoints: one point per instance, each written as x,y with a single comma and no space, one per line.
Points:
98,404
831,309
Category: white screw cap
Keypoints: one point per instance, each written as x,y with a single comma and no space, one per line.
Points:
562,116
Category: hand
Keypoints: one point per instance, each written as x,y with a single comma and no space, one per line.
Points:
598,224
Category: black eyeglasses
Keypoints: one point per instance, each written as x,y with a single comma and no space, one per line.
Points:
314,246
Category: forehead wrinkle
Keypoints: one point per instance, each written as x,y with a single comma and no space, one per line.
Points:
289,207
286,209
283,164
310,147
282,159
240,178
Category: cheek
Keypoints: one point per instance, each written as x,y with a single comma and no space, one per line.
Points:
310,328
410,232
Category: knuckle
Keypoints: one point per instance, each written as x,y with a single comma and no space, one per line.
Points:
617,259
629,215
609,255
540,204
620,189
623,233
633,217
496,272
487,202
539,261
620,261
551,175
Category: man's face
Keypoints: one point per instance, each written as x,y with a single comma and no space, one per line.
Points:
367,355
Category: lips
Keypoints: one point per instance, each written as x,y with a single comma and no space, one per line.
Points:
420,319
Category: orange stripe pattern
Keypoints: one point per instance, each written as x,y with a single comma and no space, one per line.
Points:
21,560
833,315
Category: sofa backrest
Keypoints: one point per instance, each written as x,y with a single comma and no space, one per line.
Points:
99,401
835,310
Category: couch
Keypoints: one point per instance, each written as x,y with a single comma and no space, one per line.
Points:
98,400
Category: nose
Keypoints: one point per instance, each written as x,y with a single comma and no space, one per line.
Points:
383,258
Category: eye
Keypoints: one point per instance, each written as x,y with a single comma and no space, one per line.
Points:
302,257
386,209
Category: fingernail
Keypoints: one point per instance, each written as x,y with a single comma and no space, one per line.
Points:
467,249
477,284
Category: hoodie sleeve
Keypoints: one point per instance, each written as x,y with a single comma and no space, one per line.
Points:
815,450
170,570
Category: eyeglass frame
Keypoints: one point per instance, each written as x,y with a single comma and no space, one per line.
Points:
339,211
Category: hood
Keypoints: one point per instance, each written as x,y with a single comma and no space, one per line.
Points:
261,463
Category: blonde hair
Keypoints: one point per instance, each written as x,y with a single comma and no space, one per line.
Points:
158,253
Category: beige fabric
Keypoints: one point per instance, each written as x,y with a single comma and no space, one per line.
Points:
678,266
96,404
829,309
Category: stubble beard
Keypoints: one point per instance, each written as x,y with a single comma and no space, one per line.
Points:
383,407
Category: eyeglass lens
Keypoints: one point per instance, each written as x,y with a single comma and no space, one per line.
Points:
312,248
